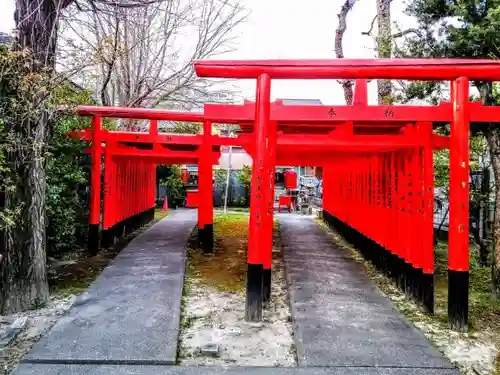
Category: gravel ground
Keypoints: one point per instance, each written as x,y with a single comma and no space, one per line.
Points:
38,321
212,317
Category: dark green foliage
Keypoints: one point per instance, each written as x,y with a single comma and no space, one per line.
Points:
456,29
67,165
67,189
169,176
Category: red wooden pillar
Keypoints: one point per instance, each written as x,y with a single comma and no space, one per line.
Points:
408,222
95,187
268,248
152,190
401,220
108,190
419,217
205,206
458,241
260,188
428,222
126,197
153,130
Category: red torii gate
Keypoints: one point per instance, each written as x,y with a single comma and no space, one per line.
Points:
325,149
457,71
125,155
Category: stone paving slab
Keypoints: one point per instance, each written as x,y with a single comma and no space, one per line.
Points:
131,313
339,317
37,369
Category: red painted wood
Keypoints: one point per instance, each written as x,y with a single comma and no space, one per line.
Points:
95,173
412,69
260,184
192,198
458,253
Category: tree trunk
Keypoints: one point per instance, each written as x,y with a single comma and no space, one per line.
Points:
384,42
493,137
347,84
23,276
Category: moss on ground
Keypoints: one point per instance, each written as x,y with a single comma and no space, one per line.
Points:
74,273
225,268
496,371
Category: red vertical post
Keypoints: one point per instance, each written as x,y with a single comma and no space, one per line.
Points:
268,248
401,225
95,187
428,222
141,183
115,195
458,241
108,196
127,198
120,191
152,198
205,206
418,212
360,92
408,240
258,205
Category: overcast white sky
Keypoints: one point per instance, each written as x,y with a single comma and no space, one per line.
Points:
293,29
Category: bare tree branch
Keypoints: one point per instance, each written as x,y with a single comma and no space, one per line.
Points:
372,24
142,56
406,32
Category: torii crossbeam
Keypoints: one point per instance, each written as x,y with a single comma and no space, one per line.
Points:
264,114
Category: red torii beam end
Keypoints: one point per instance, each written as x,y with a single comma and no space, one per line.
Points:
412,69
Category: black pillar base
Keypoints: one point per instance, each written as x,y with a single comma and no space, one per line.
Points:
266,293
400,279
208,239
127,223
94,244
458,299
107,239
427,297
418,274
201,236
253,307
119,231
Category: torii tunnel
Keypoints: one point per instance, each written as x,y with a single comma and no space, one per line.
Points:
377,163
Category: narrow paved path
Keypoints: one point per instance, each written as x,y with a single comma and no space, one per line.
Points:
37,369
130,314
128,321
339,316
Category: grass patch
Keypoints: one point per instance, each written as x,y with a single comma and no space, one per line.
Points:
74,273
239,209
225,268
496,371
484,309
160,214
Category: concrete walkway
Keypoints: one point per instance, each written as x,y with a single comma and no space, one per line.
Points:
37,369
339,317
128,321
131,313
